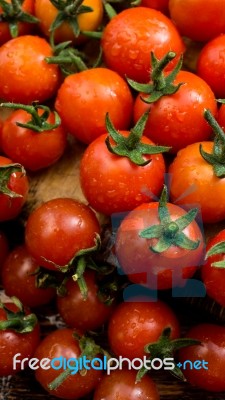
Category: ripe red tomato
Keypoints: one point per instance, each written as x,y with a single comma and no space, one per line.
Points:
62,343
211,352
209,23
211,64
221,116
4,249
98,90
16,183
34,150
130,36
27,76
85,314
46,12
71,227
120,384
160,5
137,323
177,120
167,266
18,279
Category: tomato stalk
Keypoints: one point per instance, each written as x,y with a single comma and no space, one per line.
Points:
5,173
131,146
18,321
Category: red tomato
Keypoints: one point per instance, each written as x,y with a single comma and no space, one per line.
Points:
27,77
160,5
61,343
98,90
177,120
211,353
34,150
135,324
130,36
139,258
221,116
211,64
121,384
17,182
120,185
88,314
71,227
4,249
209,23
18,279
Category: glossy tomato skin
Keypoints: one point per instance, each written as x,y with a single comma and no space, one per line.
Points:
136,323
211,64
177,120
12,342
209,23
46,12
61,343
18,183
164,270
121,185
27,76
213,277
58,229
212,351
18,279
23,27
129,38
95,91
120,385
32,149
84,314
194,182
160,5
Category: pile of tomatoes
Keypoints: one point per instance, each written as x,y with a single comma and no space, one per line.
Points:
112,75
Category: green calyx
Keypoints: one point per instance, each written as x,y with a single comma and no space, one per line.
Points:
38,123
69,11
217,157
13,13
165,347
168,232
131,146
217,249
17,321
5,173
160,84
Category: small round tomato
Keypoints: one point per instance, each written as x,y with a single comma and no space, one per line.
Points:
135,324
85,314
177,120
46,12
62,344
210,353
209,23
160,5
98,90
121,384
27,76
33,149
211,64
58,229
14,188
130,36
18,279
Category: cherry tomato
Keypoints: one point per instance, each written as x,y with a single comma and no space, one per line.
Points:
18,279
27,77
98,90
211,64
46,12
71,227
177,120
4,248
80,313
160,5
135,324
211,352
18,186
61,343
130,36
121,384
221,116
34,150
209,23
